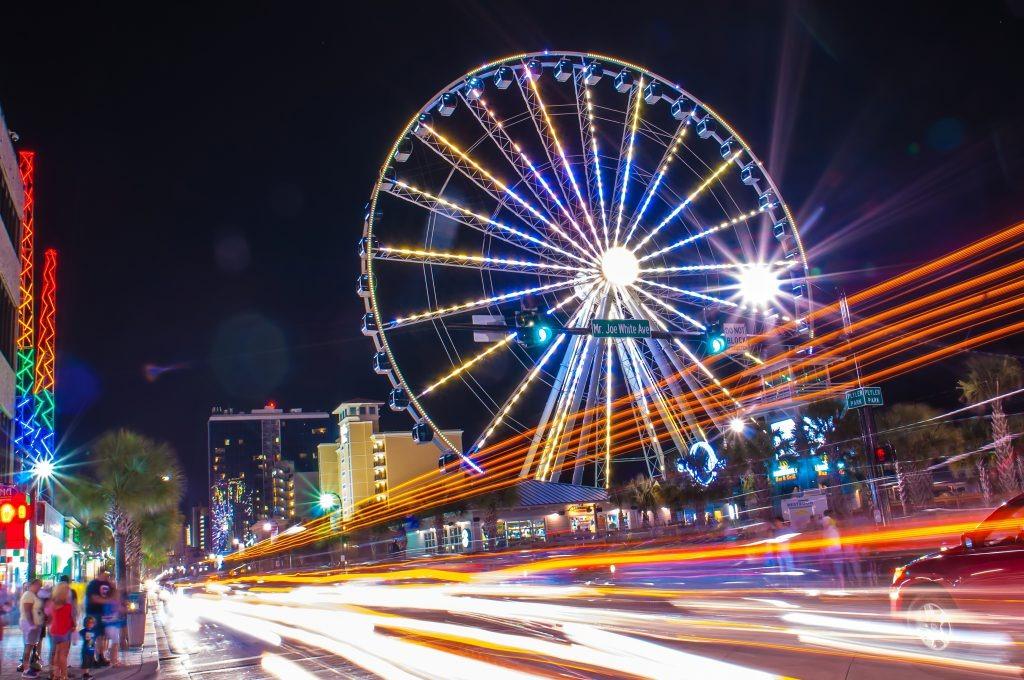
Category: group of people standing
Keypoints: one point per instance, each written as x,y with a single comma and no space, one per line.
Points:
55,613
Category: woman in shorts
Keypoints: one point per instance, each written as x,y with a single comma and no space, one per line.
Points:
61,613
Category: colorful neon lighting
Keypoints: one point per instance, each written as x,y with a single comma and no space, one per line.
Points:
44,383
24,427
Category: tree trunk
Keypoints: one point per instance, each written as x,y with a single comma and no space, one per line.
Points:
120,560
1005,473
983,481
922,492
903,487
439,531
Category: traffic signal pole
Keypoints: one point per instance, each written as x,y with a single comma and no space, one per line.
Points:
879,499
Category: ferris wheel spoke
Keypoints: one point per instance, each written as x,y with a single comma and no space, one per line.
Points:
625,163
541,433
482,223
431,314
603,465
482,262
654,370
492,186
506,408
574,295
696,388
588,141
643,410
698,269
467,364
662,303
553,146
516,394
684,294
689,199
527,171
513,153
652,187
568,405
705,233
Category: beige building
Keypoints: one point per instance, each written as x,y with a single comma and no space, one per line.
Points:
366,463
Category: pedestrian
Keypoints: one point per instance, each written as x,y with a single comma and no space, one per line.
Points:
61,613
782,554
89,637
31,608
833,548
113,623
97,593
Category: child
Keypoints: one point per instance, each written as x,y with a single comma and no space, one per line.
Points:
61,615
88,634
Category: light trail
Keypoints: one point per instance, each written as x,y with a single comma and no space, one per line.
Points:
973,250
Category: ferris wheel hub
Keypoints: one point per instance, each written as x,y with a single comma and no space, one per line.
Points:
619,266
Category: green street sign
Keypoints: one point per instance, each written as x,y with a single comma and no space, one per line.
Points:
864,396
620,328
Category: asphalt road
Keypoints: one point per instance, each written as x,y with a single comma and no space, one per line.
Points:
734,618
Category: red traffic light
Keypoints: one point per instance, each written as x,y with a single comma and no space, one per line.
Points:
883,454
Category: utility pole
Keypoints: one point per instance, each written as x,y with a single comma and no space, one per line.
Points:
868,429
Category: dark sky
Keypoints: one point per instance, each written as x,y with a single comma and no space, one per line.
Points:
203,171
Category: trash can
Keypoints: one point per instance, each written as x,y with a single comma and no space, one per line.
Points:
135,628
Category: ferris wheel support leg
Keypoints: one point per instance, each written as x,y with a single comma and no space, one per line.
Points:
538,436
583,376
653,445
590,422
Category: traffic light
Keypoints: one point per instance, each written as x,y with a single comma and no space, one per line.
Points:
884,455
533,329
715,341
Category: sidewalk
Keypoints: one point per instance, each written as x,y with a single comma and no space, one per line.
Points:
139,664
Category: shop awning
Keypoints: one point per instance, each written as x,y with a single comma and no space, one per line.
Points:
535,492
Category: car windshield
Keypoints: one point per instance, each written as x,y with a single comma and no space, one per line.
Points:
1004,526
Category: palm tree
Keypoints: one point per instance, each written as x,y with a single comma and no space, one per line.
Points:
506,497
132,480
987,378
916,439
750,454
643,491
620,496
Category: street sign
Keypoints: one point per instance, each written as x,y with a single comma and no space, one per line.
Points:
864,396
735,333
620,328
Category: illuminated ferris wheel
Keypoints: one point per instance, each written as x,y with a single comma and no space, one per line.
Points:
556,247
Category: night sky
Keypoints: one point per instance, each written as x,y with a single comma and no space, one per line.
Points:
203,171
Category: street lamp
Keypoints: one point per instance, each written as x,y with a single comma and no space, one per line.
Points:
328,501
41,471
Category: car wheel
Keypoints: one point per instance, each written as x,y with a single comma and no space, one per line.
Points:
930,617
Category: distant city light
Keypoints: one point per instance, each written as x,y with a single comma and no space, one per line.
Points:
267,526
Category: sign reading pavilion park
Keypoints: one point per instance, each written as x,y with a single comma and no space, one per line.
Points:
620,328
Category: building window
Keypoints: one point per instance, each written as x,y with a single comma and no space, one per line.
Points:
429,540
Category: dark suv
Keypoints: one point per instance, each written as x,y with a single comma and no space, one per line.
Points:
941,594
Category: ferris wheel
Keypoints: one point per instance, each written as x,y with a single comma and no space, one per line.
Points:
562,247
